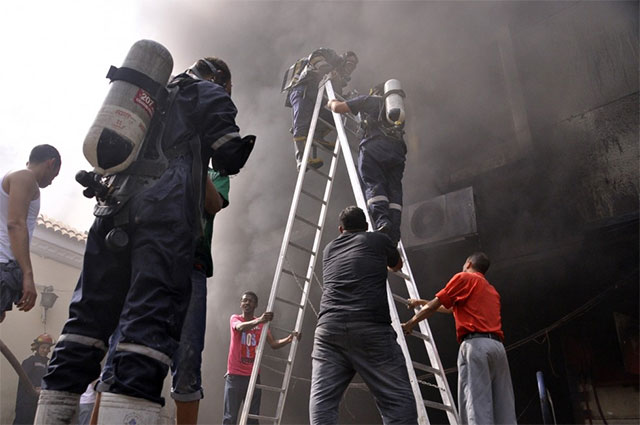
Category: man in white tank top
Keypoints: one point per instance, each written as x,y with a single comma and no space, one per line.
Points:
19,207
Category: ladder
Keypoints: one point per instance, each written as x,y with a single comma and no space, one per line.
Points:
303,281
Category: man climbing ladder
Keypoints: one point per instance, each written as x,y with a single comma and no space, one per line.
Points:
282,299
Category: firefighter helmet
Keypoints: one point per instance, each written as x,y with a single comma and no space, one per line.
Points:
40,340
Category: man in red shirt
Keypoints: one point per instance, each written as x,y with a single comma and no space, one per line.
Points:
485,393
246,330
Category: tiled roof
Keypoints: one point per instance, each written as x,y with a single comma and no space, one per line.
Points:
61,228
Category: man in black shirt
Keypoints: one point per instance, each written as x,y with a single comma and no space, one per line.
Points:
354,332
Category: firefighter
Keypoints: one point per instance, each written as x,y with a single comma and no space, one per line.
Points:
35,367
143,288
382,156
302,88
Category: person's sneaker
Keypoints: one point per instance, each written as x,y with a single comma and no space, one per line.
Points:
326,143
313,163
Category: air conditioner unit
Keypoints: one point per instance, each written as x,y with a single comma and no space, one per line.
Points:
445,218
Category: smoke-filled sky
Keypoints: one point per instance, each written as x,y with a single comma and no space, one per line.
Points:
56,55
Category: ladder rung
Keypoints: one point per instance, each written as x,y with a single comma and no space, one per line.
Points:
325,175
312,196
276,358
293,303
426,368
294,275
304,220
328,123
422,380
359,385
324,148
402,275
301,248
439,406
280,329
400,299
264,418
420,335
268,388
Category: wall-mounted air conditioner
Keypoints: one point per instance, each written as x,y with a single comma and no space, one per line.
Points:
445,218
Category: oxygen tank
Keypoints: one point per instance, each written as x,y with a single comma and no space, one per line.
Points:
394,102
116,136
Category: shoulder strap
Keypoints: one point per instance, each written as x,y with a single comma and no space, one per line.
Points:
157,91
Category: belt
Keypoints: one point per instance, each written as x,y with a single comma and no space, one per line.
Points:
472,335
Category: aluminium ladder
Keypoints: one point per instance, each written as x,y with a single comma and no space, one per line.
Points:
303,281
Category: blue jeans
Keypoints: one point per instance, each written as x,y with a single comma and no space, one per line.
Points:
381,166
370,349
10,285
84,413
187,361
235,390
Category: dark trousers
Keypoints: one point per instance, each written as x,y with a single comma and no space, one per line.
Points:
143,290
235,390
381,166
303,100
370,349
26,406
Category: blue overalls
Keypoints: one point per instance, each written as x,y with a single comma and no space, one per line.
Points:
381,162
302,98
144,289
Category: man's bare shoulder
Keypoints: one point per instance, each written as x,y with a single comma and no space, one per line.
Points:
22,180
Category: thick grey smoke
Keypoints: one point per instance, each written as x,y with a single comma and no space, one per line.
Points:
447,56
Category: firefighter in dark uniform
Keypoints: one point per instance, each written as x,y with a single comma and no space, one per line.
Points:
302,88
381,159
35,367
143,289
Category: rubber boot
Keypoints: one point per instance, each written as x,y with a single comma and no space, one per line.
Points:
312,162
187,412
56,407
123,409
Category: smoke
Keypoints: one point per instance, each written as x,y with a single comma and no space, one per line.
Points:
423,44
449,57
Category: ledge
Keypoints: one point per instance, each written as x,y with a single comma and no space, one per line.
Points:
58,241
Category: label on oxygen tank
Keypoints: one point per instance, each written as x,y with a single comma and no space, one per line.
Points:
143,99
128,124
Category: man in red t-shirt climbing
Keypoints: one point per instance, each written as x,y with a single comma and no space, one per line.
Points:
246,330
485,393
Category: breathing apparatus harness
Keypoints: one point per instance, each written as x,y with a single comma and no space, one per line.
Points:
113,192
368,122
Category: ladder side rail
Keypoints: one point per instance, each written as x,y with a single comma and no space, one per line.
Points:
423,417
283,252
361,202
310,270
430,346
348,156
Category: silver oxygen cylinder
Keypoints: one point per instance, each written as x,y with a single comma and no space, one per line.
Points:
394,102
116,135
